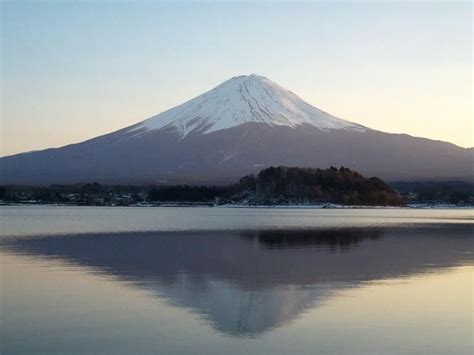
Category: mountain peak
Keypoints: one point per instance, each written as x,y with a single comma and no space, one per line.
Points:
242,99
248,77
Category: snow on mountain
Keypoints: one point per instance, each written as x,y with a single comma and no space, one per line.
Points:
239,100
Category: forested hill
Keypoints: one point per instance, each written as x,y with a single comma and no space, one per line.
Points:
285,185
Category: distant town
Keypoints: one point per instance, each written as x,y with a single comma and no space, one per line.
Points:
253,190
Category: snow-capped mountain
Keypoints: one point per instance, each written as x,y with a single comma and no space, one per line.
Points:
239,100
241,126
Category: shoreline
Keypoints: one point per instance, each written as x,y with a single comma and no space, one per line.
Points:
211,205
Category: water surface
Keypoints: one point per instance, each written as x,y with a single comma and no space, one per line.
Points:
235,281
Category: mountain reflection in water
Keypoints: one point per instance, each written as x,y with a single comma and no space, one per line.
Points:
245,283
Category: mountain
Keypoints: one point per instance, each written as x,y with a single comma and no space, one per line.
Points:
239,127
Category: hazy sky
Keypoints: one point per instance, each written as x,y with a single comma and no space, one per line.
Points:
75,70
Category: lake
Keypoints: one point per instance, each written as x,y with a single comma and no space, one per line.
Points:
93,280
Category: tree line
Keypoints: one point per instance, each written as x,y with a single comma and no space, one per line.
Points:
275,185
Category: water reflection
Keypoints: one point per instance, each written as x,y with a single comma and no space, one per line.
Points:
245,283
333,239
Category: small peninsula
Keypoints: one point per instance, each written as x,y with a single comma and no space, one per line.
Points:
306,186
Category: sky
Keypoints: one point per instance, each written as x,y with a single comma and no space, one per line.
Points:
74,70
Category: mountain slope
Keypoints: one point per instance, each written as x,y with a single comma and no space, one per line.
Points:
239,127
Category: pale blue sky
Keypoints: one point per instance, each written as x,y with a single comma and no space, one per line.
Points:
74,70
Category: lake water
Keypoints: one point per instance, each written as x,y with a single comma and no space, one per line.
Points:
86,280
